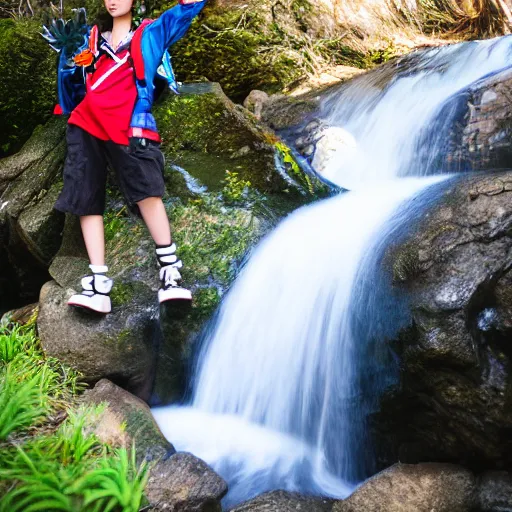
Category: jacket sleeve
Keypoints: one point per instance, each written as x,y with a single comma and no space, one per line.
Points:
70,86
156,38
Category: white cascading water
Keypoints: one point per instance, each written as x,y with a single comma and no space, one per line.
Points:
289,369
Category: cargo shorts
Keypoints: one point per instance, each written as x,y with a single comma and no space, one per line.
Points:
139,173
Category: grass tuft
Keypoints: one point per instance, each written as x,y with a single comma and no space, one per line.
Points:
48,467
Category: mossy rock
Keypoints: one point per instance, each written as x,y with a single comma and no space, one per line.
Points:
121,346
126,421
215,48
27,81
30,229
214,139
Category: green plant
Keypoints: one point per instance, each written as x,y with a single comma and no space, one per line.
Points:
291,166
72,471
235,189
31,385
18,340
21,401
117,483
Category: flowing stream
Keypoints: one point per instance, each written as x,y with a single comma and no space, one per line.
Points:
294,361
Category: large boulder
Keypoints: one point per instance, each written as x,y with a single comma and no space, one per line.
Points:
210,136
121,346
452,402
414,488
30,229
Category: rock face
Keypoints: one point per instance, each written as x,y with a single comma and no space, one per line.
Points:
453,400
418,488
282,501
482,140
30,228
122,347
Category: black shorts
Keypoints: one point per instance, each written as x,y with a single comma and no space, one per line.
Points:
139,173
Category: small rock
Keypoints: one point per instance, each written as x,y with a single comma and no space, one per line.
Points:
495,491
20,316
255,101
185,483
282,501
126,420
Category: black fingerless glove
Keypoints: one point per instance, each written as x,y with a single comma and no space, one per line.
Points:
138,144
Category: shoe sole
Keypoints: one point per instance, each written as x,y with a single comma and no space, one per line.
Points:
176,307
103,307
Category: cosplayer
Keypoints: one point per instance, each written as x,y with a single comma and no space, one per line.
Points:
106,82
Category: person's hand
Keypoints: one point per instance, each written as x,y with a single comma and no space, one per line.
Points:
186,2
138,144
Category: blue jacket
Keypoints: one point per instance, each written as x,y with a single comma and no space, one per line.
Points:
148,50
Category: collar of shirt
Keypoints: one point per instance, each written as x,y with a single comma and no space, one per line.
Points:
107,40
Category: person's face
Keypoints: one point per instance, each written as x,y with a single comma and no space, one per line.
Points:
117,8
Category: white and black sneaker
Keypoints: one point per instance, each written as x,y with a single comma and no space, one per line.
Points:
96,288
170,289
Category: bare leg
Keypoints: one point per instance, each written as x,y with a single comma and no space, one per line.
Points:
94,237
154,215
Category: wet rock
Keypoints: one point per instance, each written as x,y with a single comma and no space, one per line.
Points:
185,483
282,501
207,135
482,138
30,229
127,421
121,346
418,488
453,399
255,102
282,111
177,481
494,492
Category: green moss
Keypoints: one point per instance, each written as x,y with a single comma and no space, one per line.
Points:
124,293
406,264
211,238
206,301
27,82
224,45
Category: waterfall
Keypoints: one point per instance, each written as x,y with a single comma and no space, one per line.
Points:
388,110
296,358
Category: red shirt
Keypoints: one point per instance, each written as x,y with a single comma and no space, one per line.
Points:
107,108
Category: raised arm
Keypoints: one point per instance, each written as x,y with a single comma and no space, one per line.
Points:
172,24
155,39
